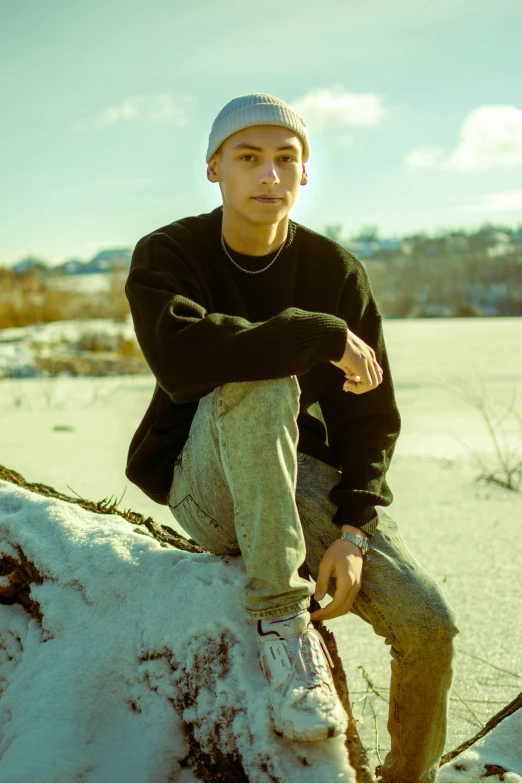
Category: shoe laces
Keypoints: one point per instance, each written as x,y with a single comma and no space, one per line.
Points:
309,654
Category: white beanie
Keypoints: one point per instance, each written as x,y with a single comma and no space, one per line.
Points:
257,108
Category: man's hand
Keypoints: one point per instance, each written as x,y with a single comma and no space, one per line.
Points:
344,561
358,361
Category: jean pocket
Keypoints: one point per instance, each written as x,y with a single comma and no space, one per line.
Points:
203,528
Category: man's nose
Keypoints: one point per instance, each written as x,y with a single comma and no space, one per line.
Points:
271,173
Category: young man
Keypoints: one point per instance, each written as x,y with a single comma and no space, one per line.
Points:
271,429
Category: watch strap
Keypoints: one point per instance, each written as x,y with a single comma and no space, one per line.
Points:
361,541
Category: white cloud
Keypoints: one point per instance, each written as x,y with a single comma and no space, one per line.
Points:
504,201
424,157
490,137
335,106
162,107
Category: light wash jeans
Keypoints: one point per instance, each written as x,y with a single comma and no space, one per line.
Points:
240,486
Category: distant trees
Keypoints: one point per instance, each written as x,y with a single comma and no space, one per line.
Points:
334,232
450,273
367,234
453,272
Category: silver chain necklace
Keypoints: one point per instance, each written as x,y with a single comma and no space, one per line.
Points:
249,271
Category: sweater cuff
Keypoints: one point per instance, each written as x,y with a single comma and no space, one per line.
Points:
366,519
322,337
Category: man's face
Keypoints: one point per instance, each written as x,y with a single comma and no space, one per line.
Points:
250,163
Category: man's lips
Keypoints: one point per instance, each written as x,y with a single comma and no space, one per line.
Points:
269,199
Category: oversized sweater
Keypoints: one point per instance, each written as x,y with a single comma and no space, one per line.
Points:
202,322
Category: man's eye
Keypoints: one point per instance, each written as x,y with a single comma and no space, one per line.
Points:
288,157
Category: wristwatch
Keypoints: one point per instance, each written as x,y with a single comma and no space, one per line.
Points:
361,541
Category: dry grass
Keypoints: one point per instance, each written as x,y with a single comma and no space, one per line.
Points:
103,342
30,298
91,365
94,353
126,347
506,469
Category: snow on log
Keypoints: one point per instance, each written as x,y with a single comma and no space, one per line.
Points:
125,654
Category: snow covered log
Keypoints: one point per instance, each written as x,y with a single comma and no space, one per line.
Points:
125,654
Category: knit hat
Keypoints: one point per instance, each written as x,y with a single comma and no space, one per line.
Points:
257,108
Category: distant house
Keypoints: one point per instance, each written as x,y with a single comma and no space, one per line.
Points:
29,264
502,245
366,249
104,261
72,267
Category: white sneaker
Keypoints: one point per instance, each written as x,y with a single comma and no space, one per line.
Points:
297,664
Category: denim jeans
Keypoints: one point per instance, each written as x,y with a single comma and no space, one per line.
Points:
240,486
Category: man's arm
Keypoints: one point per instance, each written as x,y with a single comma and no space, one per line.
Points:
362,429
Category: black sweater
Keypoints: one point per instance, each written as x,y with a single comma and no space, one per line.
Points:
202,322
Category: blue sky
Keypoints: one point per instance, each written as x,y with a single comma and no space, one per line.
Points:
414,113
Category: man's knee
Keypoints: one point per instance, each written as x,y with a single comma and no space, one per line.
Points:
438,625
445,624
271,391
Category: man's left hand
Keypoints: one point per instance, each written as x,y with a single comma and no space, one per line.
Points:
343,560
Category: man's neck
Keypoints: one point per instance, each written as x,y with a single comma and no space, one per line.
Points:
253,239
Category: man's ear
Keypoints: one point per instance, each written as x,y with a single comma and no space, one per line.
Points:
213,166
212,170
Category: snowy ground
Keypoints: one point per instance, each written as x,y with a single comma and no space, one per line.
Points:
73,433
94,283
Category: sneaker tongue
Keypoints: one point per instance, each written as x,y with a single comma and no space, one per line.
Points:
292,627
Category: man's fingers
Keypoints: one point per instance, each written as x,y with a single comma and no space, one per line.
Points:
371,378
331,611
375,375
374,370
339,606
323,578
341,603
